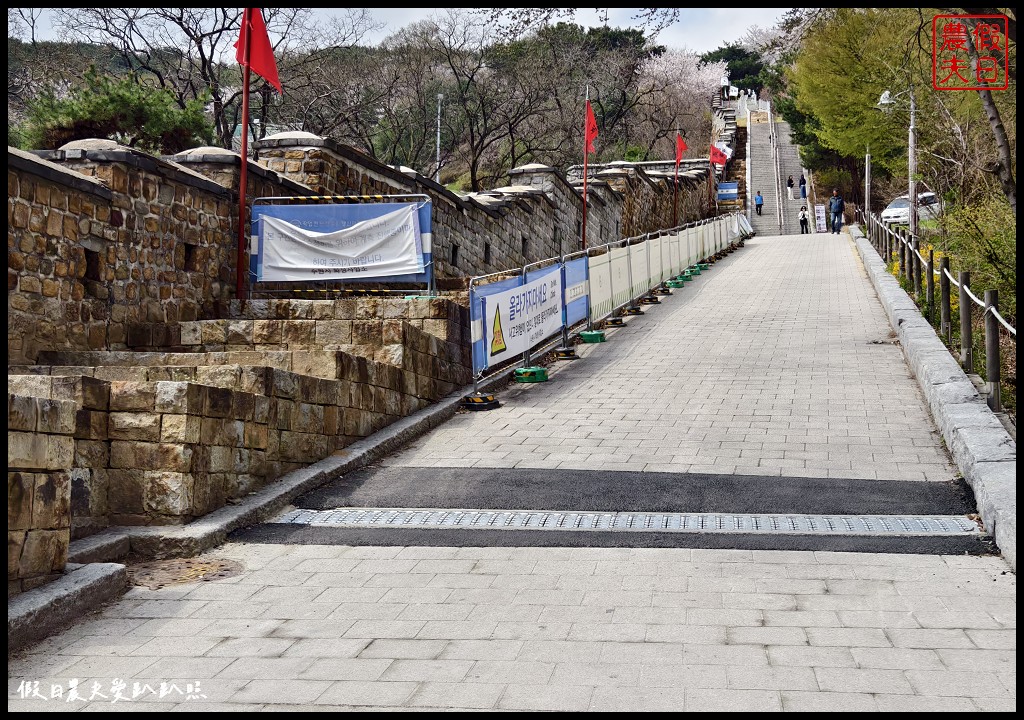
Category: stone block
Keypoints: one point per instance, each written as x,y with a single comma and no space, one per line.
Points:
22,413
39,386
255,435
298,333
267,332
27,451
51,506
91,454
285,384
124,492
308,418
315,364
322,310
167,493
20,495
15,544
368,332
332,415
209,492
132,396
217,402
222,459
240,332
134,426
176,457
180,428
91,424
333,332
179,398
221,376
44,552
243,405
223,431
214,332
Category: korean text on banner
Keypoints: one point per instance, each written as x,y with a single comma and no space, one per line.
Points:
819,218
518,319
382,246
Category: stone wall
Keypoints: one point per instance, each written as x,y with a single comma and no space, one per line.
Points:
40,448
478,233
163,444
103,240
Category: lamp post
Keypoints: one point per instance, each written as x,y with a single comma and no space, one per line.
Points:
885,103
437,170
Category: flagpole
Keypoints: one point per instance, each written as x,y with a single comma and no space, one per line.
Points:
675,191
585,154
243,174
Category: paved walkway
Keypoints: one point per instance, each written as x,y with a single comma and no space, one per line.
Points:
778,361
775,363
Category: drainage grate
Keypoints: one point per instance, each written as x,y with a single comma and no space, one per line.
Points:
634,521
176,571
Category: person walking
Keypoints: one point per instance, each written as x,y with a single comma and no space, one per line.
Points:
836,206
803,187
805,228
758,202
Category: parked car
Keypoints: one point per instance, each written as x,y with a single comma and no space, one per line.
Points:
929,207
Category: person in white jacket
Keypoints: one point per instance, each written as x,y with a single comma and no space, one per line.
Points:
804,221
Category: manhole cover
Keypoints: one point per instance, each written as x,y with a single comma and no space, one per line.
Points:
176,571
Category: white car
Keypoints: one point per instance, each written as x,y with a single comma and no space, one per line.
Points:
929,207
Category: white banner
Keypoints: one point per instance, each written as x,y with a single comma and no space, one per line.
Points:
518,319
599,272
379,247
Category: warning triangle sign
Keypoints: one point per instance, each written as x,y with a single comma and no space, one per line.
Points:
498,341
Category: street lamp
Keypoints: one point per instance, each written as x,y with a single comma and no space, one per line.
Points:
437,171
886,103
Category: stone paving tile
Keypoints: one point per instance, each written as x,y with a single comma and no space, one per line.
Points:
554,698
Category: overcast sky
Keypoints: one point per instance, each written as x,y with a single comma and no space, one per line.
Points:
698,29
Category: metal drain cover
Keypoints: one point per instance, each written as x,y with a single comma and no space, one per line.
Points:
177,571
472,519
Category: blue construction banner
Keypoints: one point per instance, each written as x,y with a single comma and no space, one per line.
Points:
520,318
342,242
577,304
728,190
476,317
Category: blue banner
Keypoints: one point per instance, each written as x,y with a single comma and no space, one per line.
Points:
476,317
338,216
577,298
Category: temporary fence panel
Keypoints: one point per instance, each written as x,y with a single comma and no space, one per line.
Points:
477,293
638,270
518,319
599,273
574,280
657,268
342,242
666,256
620,276
675,252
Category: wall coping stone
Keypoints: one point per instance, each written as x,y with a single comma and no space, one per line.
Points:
29,162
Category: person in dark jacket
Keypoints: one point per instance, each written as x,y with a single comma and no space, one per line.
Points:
803,186
836,206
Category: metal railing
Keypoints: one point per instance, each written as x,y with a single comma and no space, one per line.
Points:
896,243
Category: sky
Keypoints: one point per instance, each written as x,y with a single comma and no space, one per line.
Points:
698,29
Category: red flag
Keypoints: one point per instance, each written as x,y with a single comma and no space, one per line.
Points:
259,54
680,147
717,156
590,132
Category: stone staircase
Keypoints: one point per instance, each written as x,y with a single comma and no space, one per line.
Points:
762,176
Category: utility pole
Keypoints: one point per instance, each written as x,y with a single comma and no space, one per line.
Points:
437,171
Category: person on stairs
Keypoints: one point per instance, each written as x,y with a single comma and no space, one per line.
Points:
836,206
805,228
758,202
803,187
789,185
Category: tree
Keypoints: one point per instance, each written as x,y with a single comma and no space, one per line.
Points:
744,65
148,119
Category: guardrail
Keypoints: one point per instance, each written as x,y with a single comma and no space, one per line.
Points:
512,313
896,243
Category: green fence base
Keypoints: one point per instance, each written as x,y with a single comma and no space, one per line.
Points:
703,265
675,283
592,336
530,375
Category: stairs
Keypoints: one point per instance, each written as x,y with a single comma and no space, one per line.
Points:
763,177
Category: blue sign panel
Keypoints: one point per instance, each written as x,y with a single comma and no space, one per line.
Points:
577,297
476,317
